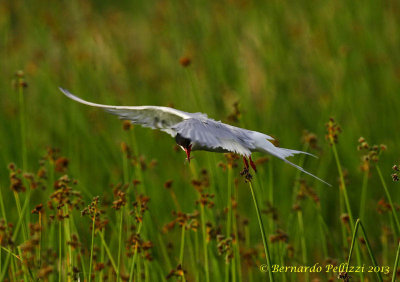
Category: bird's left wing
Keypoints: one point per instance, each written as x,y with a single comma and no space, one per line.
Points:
210,134
155,117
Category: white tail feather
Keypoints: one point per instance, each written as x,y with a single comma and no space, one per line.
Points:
302,169
263,145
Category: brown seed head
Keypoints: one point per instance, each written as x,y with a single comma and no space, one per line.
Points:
246,174
261,160
38,209
176,272
224,246
231,159
44,272
279,236
383,206
344,276
16,183
333,131
61,164
185,61
120,201
345,218
310,139
19,74
271,210
168,184
372,153
127,125
206,200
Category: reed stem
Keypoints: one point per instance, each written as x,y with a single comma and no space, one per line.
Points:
346,200
120,245
108,252
396,262
229,217
24,157
396,219
205,250
60,251
264,238
363,194
182,250
91,247
359,223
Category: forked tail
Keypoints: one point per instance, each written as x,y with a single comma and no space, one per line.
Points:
282,153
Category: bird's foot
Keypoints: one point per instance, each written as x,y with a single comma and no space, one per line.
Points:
246,173
189,159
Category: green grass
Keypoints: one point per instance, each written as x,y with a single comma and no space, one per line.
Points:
290,66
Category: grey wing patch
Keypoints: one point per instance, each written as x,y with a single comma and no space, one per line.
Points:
212,135
151,118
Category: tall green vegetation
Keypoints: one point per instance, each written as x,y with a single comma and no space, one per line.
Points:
71,208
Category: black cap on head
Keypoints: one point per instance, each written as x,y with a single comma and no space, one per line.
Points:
182,141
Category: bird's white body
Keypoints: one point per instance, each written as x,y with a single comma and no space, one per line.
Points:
204,133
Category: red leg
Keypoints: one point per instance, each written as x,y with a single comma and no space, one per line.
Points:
246,164
246,172
253,165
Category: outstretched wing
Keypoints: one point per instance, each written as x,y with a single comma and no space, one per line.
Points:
155,117
208,134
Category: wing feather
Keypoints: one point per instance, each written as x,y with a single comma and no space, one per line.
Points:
155,117
212,135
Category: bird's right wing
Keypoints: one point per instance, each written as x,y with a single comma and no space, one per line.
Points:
155,117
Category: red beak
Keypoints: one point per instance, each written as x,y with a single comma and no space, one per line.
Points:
188,150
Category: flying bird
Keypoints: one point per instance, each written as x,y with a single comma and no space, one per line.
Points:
196,131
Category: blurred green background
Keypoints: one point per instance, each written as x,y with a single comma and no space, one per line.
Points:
289,65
